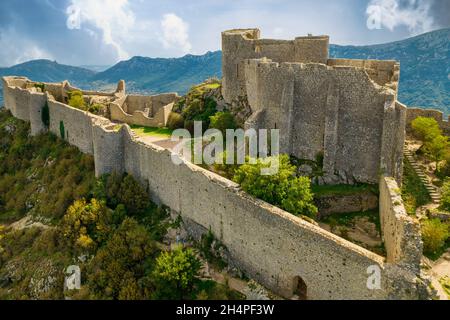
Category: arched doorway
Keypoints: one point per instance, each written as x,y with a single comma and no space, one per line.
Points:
300,288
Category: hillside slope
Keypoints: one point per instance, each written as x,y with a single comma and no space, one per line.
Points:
155,75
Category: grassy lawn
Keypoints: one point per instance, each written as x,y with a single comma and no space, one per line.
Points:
414,192
153,132
340,190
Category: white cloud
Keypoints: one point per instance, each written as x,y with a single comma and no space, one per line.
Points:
113,18
175,33
414,14
24,49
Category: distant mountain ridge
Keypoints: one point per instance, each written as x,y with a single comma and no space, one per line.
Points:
425,70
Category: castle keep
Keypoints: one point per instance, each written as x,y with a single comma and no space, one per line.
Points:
345,110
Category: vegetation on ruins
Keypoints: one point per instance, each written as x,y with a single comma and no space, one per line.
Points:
151,131
445,195
434,235
435,145
284,189
76,100
199,104
222,121
175,121
107,226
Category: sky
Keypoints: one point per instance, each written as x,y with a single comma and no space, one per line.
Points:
103,32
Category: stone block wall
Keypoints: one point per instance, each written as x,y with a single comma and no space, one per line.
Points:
148,111
242,44
401,233
338,111
267,243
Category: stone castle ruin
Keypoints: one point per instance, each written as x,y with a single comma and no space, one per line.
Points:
345,109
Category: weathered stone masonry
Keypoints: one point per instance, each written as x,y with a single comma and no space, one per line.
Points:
269,244
340,108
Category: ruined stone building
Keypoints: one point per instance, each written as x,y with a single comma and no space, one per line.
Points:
345,110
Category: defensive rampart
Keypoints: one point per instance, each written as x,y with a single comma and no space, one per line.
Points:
270,245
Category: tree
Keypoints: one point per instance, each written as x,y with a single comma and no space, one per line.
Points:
76,100
282,189
434,235
437,148
176,273
445,195
87,224
133,196
223,121
119,266
175,121
426,129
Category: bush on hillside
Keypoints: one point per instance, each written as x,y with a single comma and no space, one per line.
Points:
283,189
426,129
434,234
176,273
223,121
76,100
175,121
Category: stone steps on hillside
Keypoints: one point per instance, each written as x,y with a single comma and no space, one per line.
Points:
431,189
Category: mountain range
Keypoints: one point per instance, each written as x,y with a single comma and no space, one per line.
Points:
425,70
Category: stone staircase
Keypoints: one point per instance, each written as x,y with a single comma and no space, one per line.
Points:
432,190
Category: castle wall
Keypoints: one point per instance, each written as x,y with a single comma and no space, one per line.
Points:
77,125
240,45
269,244
401,233
108,148
393,140
381,71
318,110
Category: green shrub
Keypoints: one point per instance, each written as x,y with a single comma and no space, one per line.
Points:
437,148
445,195
176,273
223,121
283,189
96,108
175,121
40,86
76,100
443,170
434,235
426,129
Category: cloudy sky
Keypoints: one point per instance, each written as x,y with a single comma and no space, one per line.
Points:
102,32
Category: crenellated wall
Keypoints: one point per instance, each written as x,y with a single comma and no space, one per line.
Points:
268,244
